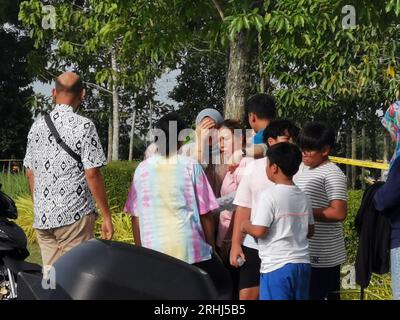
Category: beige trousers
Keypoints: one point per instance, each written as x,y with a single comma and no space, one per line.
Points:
56,242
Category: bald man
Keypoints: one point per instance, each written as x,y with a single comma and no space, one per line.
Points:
65,189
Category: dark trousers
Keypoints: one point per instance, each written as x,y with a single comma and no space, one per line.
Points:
325,283
219,275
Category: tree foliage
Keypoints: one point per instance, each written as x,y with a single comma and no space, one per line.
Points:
15,82
201,84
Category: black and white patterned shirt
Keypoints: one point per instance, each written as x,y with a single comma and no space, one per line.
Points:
61,194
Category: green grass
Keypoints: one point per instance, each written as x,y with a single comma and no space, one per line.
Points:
380,288
14,185
34,254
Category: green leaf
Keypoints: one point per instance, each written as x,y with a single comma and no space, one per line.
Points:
258,21
113,9
389,6
281,23
350,36
66,48
307,38
267,18
246,23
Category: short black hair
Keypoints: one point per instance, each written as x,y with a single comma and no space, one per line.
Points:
286,156
278,127
163,125
316,135
262,105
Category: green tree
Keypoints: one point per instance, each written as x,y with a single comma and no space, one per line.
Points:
201,84
15,82
100,40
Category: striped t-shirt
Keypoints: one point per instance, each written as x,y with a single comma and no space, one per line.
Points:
322,185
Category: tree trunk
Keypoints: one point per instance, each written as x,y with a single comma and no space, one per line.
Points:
110,136
238,77
372,137
348,155
262,75
386,144
150,135
363,156
132,135
385,153
353,155
374,156
115,100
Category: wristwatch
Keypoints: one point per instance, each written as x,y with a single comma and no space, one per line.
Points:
244,152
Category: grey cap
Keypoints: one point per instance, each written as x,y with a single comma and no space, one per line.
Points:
209,112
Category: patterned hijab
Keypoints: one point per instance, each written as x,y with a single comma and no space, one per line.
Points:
391,121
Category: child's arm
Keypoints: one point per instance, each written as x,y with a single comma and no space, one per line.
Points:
136,230
336,212
311,230
207,223
263,217
253,230
241,214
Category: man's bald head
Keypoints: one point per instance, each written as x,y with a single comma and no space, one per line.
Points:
69,90
69,83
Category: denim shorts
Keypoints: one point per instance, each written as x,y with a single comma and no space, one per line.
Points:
395,271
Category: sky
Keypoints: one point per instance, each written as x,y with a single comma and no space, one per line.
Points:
164,85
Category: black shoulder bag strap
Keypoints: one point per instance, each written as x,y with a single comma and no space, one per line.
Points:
60,141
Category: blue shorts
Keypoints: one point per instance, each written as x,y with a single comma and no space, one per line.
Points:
291,282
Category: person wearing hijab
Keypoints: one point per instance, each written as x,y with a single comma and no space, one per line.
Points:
387,197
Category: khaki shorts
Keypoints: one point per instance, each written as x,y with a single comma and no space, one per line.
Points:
56,242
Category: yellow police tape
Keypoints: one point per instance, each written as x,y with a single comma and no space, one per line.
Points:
351,162
360,163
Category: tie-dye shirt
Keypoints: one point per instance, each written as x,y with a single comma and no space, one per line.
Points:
169,196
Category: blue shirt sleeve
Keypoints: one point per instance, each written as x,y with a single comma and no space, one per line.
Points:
258,138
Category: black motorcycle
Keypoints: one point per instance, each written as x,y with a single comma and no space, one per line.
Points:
111,270
13,249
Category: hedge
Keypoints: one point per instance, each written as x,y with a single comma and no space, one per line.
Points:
118,178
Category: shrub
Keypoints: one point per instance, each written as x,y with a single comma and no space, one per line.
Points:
118,178
350,235
25,216
121,222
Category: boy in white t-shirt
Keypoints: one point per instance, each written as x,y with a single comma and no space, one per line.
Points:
251,185
282,224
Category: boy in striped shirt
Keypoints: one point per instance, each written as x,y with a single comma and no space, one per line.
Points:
326,186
